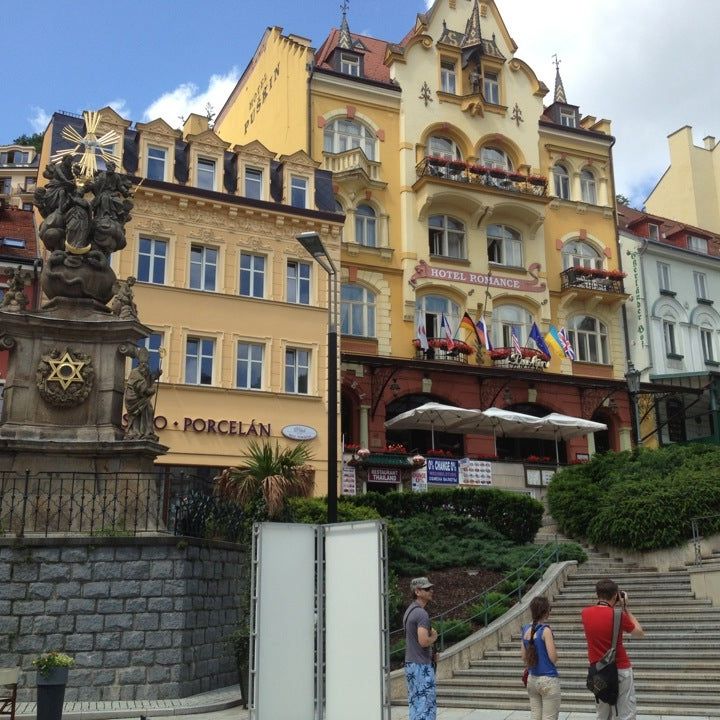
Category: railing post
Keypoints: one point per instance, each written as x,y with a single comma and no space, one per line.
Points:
696,540
442,638
485,610
25,501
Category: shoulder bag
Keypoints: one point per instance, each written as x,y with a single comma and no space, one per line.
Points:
602,677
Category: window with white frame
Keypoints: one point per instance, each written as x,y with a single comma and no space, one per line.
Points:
365,226
298,282
156,163
252,275
429,310
588,188
345,134
589,338
30,184
298,191
253,183
504,245
5,185
568,117
664,276
491,88
509,320
447,76
153,344
206,173
700,285
654,232
670,338
357,311
152,259
443,147
698,244
446,236
249,369
203,267
561,180
708,344
577,253
199,354
14,157
495,157
350,64
297,370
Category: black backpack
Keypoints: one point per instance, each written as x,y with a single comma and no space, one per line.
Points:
602,677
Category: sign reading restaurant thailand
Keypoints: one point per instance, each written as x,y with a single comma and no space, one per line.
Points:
423,270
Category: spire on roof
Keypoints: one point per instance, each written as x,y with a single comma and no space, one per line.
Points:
345,40
473,36
559,88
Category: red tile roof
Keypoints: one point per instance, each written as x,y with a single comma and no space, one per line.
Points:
18,224
629,217
373,55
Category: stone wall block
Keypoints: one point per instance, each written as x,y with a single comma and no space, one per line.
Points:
45,624
107,606
77,642
66,623
89,659
172,621
138,570
136,605
81,572
160,604
95,590
106,571
13,591
9,625
135,676
118,622
152,588
101,554
133,640
67,589
175,587
89,623
74,555
127,554
146,621
80,606
162,569
124,588
116,658
25,572
169,657
53,571
46,554
157,640
107,641
55,607
28,607
158,674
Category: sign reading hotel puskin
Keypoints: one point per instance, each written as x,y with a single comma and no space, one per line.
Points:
423,270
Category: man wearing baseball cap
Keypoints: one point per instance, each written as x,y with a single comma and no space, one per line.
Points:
419,639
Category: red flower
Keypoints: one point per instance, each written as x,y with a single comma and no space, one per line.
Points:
526,352
442,344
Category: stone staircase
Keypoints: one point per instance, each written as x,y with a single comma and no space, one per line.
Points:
677,663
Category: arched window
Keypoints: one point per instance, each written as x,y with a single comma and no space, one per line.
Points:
365,226
357,312
344,134
562,181
671,335
588,187
577,253
589,338
508,320
446,236
707,340
496,158
444,147
429,310
504,245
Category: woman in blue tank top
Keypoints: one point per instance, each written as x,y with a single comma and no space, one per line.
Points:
540,656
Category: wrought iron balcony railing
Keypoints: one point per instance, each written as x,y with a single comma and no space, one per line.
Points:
441,349
608,281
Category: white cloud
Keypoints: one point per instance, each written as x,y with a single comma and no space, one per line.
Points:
120,107
39,119
187,98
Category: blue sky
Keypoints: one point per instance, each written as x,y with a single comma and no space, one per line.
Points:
636,62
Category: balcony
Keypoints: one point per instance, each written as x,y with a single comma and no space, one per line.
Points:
493,178
593,279
353,164
460,352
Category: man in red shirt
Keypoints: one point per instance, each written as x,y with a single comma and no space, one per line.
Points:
598,625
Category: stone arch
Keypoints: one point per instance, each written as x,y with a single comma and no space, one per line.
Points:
446,129
513,150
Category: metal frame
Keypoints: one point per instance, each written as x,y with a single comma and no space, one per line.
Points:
255,568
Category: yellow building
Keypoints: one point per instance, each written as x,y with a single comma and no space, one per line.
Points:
464,193
689,190
18,175
232,299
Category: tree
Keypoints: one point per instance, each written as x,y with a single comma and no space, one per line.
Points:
270,474
621,199
36,140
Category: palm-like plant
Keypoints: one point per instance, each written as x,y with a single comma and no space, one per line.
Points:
268,473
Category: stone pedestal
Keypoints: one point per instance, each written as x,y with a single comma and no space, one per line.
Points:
63,399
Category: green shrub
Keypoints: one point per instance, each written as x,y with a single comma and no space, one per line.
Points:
314,511
643,500
516,516
492,606
451,631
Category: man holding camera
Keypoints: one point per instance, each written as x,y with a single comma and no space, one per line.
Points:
598,625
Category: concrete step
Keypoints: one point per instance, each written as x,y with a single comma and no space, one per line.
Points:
652,626
636,652
637,602
498,673
509,661
667,636
631,647
577,682
675,584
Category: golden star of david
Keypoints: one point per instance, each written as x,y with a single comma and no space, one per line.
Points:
66,371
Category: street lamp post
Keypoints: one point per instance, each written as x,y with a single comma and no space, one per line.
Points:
632,378
312,243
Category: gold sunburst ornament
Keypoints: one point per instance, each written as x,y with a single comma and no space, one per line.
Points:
91,146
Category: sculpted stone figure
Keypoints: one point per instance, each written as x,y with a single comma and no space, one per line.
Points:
14,298
140,390
123,303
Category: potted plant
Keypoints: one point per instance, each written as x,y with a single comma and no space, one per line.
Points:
52,675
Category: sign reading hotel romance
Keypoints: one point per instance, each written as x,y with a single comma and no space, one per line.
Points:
423,270
442,471
384,475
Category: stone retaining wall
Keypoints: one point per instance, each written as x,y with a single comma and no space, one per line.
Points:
144,618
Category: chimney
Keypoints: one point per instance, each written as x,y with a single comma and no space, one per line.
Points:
709,142
194,125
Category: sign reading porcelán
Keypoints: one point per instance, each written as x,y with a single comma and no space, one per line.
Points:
214,427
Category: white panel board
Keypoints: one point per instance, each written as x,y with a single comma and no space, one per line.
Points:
354,637
285,622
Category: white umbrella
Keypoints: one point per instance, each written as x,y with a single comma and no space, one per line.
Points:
497,419
430,416
556,425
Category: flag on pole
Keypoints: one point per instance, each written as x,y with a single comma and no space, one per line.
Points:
554,343
447,332
422,334
538,338
566,344
483,334
516,343
468,326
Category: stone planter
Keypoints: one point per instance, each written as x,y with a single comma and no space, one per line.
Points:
51,693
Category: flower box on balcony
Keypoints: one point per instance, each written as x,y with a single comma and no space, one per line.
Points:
456,165
527,353
444,344
537,180
517,177
437,161
498,173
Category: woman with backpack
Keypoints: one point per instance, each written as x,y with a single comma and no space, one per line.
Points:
540,657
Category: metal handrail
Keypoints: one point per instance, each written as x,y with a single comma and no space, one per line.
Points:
545,560
697,537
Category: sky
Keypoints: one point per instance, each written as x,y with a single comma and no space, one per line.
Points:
647,65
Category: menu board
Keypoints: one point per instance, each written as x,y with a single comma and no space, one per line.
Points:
533,476
419,479
442,471
475,472
547,476
349,480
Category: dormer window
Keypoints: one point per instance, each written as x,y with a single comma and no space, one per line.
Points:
568,117
14,157
491,88
697,244
350,64
206,173
654,232
156,163
253,183
298,191
447,76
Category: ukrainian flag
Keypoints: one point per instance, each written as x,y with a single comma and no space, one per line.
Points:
553,341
